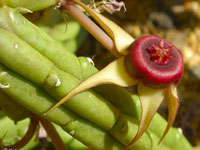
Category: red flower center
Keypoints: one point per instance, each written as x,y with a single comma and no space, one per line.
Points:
159,54
155,61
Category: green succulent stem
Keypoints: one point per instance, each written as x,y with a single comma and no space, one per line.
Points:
14,22
12,109
39,102
35,69
45,69
28,6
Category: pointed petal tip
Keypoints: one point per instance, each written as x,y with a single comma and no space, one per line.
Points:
51,109
63,100
150,101
173,105
114,73
138,135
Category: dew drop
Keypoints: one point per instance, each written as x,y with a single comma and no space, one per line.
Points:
180,130
89,95
58,83
4,86
3,73
29,11
57,6
24,10
90,60
72,132
16,46
12,16
53,80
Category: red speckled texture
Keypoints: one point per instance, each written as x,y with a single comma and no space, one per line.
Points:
152,74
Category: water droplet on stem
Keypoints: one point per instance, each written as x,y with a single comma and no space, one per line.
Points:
16,46
72,132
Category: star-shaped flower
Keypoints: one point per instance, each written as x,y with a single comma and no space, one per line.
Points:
150,62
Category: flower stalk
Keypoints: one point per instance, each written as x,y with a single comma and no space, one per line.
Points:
52,133
89,25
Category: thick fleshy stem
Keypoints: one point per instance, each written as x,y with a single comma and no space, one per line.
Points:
88,24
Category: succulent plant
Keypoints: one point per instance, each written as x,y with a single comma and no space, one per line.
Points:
151,62
106,117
